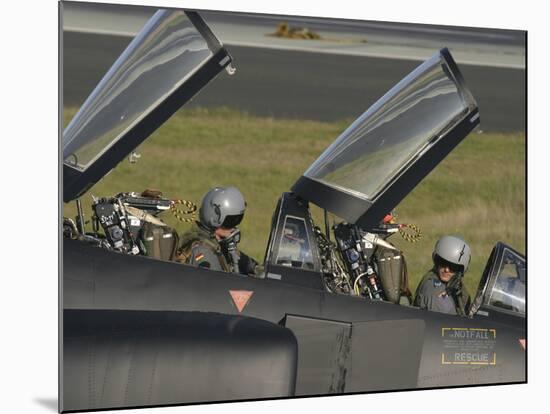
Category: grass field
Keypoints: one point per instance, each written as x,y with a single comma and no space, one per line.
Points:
478,192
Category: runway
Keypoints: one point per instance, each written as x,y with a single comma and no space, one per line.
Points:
301,84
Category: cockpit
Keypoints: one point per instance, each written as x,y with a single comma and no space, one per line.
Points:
503,285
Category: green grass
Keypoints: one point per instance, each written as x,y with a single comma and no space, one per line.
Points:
478,192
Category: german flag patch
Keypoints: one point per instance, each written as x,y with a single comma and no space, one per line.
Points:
199,257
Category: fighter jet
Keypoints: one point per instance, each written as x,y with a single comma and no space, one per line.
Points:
327,315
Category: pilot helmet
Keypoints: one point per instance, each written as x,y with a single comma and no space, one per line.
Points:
222,207
454,250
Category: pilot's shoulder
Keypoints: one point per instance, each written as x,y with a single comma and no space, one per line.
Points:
204,256
204,244
429,281
199,247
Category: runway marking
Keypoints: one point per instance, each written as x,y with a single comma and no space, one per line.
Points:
417,57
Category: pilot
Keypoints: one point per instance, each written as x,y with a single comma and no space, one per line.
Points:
441,289
212,242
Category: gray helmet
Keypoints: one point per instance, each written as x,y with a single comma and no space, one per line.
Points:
222,207
454,250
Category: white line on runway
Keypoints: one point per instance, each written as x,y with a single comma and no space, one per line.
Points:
400,53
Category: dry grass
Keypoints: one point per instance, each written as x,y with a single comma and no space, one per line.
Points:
477,192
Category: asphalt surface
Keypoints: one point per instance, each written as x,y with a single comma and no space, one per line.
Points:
297,84
405,41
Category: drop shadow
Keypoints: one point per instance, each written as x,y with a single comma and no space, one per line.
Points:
49,403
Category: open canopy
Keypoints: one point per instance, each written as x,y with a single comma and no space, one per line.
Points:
383,155
170,60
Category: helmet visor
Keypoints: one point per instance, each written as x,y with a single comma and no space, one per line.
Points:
232,221
453,267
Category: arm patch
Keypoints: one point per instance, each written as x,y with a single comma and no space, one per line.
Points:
203,256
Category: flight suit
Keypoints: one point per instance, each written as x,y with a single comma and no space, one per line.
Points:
431,295
199,247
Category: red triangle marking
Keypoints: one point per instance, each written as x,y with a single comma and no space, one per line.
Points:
240,298
523,343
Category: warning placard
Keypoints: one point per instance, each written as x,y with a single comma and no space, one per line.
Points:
468,346
240,298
